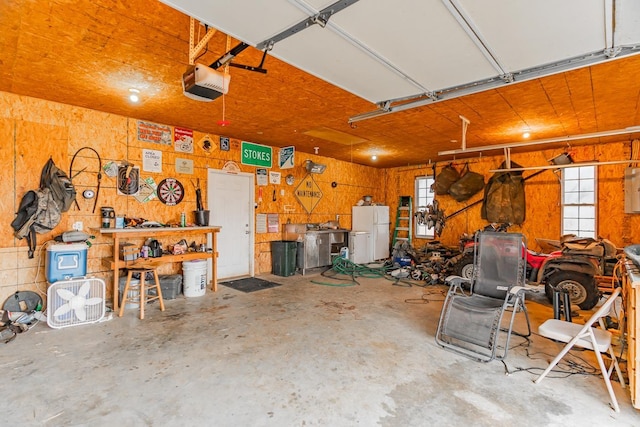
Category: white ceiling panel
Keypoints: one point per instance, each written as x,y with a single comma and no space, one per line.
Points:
323,53
525,34
438,54
382,50
251,21
628,23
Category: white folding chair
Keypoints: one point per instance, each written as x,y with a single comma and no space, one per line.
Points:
586,336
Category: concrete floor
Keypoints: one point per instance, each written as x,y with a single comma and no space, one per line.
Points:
301,354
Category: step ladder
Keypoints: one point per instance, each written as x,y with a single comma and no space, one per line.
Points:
404,221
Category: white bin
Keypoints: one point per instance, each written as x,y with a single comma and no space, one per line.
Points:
194,278
133,296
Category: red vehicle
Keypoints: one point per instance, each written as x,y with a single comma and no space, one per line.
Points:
579,267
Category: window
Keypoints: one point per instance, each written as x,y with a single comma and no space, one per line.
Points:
579,201
424,197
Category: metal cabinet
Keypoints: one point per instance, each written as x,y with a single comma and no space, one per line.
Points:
317,249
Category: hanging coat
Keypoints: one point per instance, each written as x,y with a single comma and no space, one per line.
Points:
504,200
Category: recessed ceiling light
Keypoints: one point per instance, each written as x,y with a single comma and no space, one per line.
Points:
526,135
134,95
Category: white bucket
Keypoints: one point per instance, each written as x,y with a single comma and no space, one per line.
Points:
133,296
194,278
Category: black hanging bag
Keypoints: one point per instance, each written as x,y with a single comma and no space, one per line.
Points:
469,184
447,176
504,197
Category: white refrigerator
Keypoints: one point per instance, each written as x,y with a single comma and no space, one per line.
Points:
375,220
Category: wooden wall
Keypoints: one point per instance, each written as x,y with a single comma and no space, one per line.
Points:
33,130
542,192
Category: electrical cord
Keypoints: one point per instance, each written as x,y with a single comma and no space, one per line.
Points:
570,365
39,264
424,299
95,202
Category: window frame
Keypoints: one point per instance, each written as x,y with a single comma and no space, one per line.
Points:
564,206
429,180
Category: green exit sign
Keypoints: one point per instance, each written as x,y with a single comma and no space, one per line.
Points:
256,154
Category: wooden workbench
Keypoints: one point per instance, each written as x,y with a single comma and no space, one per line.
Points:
119,234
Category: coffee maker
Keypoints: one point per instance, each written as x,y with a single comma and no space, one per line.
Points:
108,217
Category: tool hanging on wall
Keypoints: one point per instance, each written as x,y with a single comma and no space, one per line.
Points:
199,205
87,194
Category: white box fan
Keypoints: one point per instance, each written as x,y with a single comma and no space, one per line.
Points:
75,302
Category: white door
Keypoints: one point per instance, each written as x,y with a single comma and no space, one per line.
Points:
230,200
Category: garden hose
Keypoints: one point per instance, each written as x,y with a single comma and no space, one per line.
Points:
342,266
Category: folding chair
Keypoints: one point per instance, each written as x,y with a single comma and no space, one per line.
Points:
471,323
586,336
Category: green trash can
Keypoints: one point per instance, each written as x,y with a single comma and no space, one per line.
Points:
283,257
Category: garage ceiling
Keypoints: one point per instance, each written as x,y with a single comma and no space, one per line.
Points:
382,51
375,77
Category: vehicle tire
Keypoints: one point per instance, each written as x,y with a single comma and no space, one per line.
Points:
581,287
464,267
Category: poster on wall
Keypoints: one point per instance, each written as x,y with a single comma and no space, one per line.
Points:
285,157
261,177
274,177
273,223
261,223
147,190
183,140
152,161
153,132
184,165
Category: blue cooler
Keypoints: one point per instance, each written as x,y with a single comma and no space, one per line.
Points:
65,261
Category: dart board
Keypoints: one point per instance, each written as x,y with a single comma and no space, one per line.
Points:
170,191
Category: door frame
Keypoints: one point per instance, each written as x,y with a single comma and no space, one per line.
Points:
250,220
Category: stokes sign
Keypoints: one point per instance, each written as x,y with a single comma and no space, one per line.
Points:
256,154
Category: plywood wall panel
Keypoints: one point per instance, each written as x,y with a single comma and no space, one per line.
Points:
543,209
8,204
41,129
353,181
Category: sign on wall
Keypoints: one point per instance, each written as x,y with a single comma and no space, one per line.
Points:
261,177
308,193
152,161
256,154
184,165
274,177
183,139
153,132
285,157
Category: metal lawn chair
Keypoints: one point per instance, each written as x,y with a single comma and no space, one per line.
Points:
471,322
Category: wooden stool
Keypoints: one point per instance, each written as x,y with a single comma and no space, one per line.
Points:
143,287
